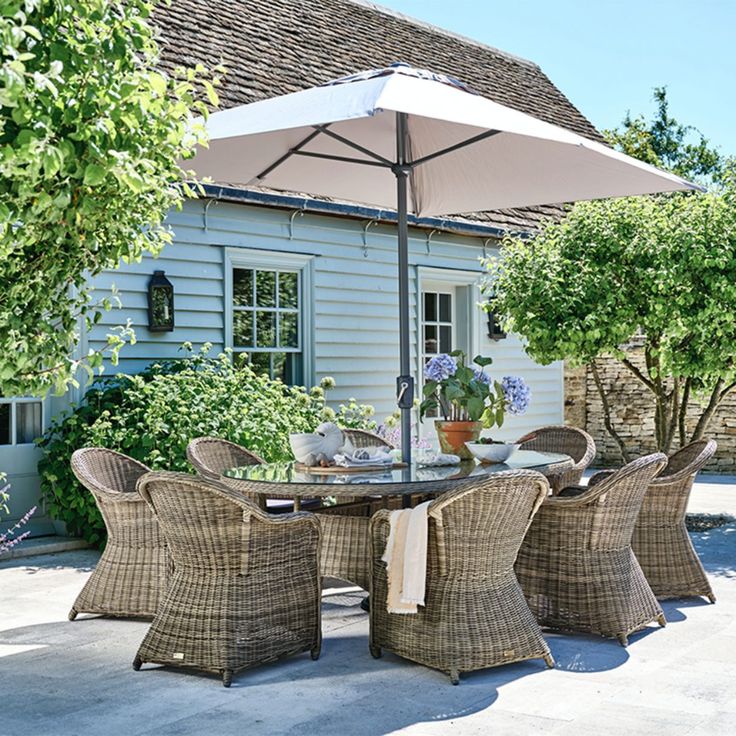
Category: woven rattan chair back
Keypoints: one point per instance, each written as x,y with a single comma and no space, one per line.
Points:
576,443
210,456
129,577
477,531
246,585
676,480
613,514
203,524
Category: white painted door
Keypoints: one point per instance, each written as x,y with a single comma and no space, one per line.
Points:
21,422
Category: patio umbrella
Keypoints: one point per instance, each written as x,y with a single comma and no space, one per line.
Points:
414,141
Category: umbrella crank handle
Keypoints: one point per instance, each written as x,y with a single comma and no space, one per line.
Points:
405,392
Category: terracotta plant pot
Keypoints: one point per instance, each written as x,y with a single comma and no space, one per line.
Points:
454,435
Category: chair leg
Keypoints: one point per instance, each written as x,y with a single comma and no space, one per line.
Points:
661,620
623,640
314,652
227,678
73,613
711,598
454,677
137,662
375,651
549,661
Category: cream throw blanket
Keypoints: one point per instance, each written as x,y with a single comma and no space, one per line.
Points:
406,559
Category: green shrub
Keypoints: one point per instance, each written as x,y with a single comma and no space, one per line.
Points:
152,417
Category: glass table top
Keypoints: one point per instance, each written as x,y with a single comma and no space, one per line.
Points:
291,473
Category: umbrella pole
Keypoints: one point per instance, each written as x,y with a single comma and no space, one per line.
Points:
405,382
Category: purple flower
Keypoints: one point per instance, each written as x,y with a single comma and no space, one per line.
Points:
517,393
440,367
482,377
393,436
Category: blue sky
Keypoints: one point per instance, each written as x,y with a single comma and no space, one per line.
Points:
608,55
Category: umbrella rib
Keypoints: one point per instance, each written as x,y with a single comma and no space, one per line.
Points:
291,152
455,147
356,146
344,159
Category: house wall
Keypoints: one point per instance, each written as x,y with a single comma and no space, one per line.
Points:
353,308
354,300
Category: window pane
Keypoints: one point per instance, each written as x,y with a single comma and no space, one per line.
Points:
279,366
261,362
430,339
27,422
445,308
5,438
242,329
445,339
288,330
265,288
242,287
266,329
288,290
430,306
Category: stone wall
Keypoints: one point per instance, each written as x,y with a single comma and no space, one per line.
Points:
632,414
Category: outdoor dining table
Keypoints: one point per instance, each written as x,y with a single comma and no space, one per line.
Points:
345,549
290,480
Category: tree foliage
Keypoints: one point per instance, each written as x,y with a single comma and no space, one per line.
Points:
153,416
668,144
662,268
90,136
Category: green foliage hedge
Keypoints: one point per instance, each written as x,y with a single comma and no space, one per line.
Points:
152,417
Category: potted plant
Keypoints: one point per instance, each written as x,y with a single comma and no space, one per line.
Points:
468,399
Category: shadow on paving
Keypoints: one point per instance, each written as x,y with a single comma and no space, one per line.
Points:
79,676
715,548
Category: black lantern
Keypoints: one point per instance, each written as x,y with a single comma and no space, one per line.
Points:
160,303
495,332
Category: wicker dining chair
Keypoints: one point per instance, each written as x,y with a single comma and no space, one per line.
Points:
661,542
576,564
576,443
131,574
475,614
211,456
246,586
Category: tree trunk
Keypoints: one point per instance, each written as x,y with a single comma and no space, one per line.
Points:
607,414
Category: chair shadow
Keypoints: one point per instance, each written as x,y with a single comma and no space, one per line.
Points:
349,692
716,549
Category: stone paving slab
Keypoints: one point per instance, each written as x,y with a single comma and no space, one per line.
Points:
73,679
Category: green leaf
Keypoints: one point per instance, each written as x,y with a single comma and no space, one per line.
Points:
94,174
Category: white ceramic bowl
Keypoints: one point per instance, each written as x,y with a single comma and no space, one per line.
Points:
487,454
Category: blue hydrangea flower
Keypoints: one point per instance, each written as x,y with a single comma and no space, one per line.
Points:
482,377
440,367
517,394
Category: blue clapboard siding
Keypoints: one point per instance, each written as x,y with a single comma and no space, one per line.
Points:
354,298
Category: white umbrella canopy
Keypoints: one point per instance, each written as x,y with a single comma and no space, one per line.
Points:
518,161
414,141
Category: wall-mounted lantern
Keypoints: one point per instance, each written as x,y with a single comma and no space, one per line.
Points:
495,332
160,303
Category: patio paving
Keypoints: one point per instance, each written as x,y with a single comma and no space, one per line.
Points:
62,678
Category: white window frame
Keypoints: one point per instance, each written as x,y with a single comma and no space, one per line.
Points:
250,258
14,402
470,334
